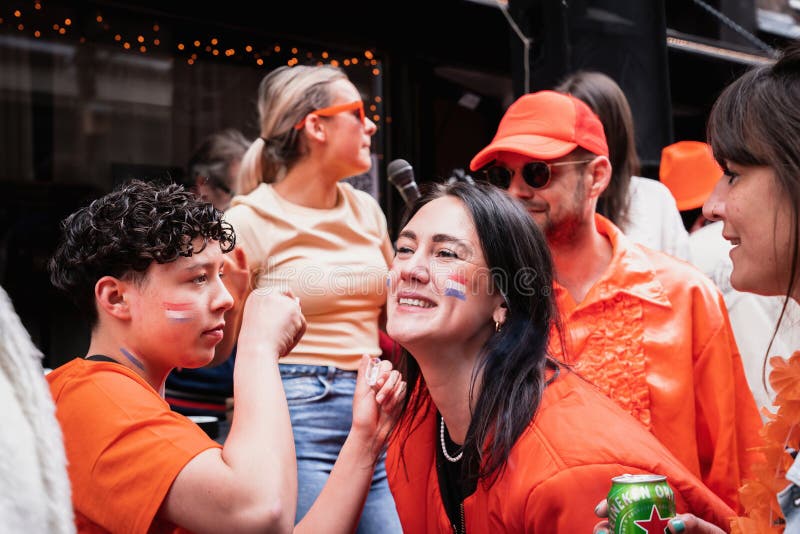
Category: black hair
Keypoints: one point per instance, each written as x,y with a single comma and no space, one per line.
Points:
125,231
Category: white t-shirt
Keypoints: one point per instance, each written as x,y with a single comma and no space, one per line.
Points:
654,220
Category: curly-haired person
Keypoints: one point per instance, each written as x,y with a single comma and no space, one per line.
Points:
145,263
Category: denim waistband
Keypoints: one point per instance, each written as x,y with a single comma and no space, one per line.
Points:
291,369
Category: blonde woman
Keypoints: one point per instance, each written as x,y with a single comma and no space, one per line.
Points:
303,229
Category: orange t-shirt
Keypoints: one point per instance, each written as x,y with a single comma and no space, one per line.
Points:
556,473
653,334
124,445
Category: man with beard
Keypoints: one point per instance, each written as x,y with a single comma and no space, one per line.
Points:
649,330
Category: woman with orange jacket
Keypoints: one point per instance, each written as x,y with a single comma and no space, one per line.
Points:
495,435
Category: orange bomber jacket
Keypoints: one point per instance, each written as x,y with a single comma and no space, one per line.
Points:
653,334
557,472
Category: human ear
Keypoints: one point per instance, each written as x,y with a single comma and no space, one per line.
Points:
600,169
500,313
112,296
315,128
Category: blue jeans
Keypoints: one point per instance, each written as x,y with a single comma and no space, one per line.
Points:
321,408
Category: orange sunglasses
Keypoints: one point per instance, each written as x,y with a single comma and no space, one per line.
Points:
334,110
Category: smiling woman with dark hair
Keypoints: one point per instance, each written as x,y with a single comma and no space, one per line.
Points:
496,436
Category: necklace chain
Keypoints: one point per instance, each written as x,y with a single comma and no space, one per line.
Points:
447,457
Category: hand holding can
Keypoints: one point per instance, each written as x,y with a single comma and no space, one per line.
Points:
638,503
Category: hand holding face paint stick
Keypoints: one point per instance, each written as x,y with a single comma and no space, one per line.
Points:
380,391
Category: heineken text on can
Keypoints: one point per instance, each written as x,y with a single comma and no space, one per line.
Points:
639,504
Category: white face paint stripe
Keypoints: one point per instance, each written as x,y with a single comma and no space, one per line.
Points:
175,315
178,312
455,287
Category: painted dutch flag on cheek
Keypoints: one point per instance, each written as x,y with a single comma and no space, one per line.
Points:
456,286
178,312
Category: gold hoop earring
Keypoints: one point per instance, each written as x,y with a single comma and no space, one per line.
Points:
497,326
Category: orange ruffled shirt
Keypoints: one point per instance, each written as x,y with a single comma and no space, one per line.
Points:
556,473
782,430
653,334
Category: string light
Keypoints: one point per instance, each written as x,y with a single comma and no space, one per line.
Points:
218,47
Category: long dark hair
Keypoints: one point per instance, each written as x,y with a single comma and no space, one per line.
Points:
512,363
605,97
756,121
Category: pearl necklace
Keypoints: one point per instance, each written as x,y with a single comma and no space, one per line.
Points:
447,457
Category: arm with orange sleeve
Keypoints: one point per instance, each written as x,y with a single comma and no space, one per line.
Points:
727,423
565,503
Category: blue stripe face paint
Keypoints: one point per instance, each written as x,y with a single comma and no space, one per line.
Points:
455,286
131,358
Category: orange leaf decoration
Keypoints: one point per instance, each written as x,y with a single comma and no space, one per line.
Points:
782,429
785,377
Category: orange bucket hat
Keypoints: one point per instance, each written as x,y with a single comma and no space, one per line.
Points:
689,170
545,125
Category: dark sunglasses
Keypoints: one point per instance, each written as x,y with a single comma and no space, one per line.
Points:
536,173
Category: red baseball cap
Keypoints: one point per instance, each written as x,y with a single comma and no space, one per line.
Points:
689,170
545,125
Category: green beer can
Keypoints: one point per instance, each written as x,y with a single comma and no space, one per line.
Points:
639,504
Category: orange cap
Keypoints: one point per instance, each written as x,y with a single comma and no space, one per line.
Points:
545,125
689,170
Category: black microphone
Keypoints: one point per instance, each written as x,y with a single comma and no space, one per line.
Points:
401,175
